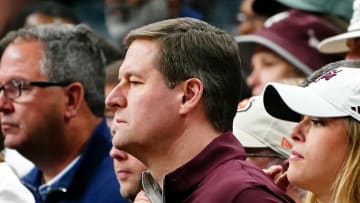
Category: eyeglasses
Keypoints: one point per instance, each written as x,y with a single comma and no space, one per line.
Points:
264,155
12,89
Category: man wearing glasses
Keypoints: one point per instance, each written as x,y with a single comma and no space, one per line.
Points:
51,108
266,139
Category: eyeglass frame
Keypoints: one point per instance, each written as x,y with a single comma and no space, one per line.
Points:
264,155
19,84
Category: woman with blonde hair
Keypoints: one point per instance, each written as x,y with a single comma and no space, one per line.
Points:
325,159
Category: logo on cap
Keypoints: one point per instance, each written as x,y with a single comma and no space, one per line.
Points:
276,18
313,40
285,143
356,109
329,75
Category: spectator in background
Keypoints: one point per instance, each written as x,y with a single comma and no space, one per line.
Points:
44,12
37,13
285,48
111,78
127,168
253,13
348,42
8,11
52,109
121,16
221,14
266,139
325,158
216,12
180,84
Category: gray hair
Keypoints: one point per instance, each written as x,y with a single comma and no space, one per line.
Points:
70,54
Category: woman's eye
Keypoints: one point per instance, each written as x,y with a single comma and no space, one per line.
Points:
317,122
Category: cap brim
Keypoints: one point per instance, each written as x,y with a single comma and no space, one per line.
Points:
290,102
247,44
337,43
247,140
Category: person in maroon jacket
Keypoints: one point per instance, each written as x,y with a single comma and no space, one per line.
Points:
178,90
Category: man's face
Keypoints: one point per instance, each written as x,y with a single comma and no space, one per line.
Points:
28,121
128,171
146,109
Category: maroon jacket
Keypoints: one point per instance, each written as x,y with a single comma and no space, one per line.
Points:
220,174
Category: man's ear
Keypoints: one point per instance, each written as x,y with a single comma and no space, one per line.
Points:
75,95
193,90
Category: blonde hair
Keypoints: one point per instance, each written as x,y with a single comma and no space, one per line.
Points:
346,187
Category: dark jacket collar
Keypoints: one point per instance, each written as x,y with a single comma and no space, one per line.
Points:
73,181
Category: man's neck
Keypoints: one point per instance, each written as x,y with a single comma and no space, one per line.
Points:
59,156
180,152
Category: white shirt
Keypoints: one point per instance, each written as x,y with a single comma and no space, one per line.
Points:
11,189
17,162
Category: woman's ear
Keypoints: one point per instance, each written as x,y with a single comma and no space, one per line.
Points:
193,90
75,95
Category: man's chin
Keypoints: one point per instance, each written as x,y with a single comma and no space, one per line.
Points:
128,194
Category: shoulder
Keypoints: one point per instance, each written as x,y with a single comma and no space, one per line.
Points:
257,194
238,180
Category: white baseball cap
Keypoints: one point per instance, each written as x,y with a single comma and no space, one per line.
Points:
337,43
336,93
255,128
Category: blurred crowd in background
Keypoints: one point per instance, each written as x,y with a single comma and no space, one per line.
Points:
279,41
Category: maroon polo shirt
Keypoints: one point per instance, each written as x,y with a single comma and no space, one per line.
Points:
219,173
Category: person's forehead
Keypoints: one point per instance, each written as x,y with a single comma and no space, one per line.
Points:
22,59
142,56
23,50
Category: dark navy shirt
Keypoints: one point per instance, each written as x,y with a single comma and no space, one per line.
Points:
91,179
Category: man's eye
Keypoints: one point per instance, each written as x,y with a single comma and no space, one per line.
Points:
134,82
